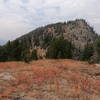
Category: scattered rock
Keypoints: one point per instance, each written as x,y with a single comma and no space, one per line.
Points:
6,76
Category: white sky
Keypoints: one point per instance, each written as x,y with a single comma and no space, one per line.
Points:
18,17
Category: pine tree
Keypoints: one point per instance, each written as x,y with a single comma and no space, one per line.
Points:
88,52
60,48
98,49
16,51
34,55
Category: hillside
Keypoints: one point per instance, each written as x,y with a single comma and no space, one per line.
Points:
67,40
49,80
78,32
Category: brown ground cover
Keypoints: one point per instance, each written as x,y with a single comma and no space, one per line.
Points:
49,80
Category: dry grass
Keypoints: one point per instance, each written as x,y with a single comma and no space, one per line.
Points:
49,80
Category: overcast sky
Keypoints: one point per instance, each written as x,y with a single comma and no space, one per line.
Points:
18,17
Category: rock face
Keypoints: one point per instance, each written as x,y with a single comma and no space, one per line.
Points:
78,32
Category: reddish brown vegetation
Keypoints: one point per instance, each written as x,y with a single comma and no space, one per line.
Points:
49,80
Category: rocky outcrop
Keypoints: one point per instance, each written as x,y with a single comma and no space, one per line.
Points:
78,32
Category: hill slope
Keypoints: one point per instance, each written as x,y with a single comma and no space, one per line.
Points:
78,32
77,35
49,80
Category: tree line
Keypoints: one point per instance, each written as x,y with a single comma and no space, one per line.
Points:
59,48
16,51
